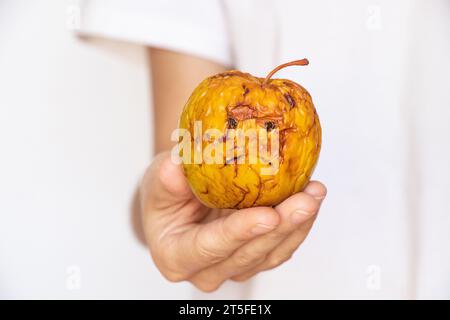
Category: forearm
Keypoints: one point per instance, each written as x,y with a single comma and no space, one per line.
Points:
174,76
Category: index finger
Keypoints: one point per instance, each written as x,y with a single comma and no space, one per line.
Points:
206,244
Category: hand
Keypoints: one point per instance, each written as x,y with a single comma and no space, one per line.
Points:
189,241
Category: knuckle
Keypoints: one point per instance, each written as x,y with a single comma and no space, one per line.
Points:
245,260
206,286
171,270
207,254
312,205
165,254
174,276
226,233
277,260
168,268
170,265
276,234
204,249
241,278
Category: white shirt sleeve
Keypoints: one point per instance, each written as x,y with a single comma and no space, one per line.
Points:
196,27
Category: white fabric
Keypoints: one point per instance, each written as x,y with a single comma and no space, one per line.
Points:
379,80
195,27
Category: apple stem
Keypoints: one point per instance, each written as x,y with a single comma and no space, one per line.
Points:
302,62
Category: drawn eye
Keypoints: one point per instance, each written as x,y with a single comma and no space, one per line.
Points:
269,125
289,99
232,123
246,90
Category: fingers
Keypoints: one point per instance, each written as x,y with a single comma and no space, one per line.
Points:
207,244
282,253
236,246
288,246
296,213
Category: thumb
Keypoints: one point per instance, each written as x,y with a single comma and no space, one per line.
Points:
164,184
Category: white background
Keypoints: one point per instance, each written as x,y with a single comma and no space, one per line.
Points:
75,138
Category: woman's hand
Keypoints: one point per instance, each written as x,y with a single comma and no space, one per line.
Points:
189,241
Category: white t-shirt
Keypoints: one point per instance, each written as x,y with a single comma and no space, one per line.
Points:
379,78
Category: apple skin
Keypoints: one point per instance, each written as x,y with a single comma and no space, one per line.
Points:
237,100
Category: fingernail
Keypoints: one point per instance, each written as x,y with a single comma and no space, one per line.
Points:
315,192
260,228
299,216
318,197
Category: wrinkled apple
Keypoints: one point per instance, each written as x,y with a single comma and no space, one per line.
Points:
229,105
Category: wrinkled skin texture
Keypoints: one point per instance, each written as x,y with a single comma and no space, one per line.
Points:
238,100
